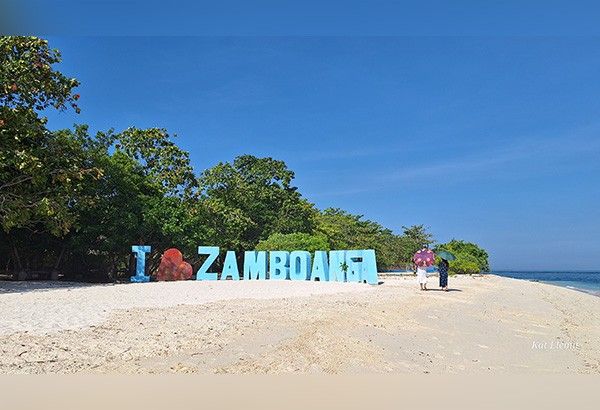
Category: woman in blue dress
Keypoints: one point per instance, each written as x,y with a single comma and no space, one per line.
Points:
443,271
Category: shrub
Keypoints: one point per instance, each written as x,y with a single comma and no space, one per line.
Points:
462,250
464,264
293,242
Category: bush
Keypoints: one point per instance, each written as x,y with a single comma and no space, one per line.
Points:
467,252
464,264
293,242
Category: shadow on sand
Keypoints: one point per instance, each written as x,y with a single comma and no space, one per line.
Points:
42,286
442,290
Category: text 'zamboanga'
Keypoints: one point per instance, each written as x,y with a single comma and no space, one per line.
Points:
337,265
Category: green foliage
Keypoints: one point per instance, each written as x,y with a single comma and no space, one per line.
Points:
137,199
159,157
464,264
413,239
293,242
470,258
27,78
347,231
252,198
40,171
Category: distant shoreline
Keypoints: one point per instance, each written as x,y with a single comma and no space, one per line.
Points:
587,291
583,281
590,289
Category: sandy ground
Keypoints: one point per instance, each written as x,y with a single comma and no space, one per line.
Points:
483,325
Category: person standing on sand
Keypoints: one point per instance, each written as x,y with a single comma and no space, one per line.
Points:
422,277
443,271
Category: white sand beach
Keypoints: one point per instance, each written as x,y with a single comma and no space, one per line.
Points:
485,324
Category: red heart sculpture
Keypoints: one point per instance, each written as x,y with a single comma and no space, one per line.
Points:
172,267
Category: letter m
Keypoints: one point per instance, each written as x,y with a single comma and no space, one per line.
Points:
255,265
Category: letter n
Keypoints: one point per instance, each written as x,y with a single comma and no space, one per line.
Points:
336,259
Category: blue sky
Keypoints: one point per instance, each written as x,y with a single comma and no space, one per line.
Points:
306,17
492,140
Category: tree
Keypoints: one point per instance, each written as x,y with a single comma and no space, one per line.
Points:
252,198
344,230
464,264
469,256
293,242
27,79
418,235
144,196
159,157
40,171
414,237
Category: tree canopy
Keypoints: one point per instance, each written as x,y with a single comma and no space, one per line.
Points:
470,258
293,241
41,172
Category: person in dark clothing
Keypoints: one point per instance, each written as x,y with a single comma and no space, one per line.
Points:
443,271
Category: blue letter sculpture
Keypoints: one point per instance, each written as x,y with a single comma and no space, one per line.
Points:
212,252
299,265
140,265
320,268
336,259
255,265
230,267
369,267
354,262
278,265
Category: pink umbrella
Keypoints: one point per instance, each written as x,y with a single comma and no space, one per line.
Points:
424,257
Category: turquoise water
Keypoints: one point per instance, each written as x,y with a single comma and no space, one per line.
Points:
584,281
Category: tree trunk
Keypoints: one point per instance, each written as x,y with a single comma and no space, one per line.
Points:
21,274
54,274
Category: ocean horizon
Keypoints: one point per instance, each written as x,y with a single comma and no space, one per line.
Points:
585,281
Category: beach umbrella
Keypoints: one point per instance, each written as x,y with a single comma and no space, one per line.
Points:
424,257
446,255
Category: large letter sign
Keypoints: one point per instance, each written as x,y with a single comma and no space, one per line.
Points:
335,266
320,268
173,267
213,253
279,267
255,265
336,260
369,267
230,268
299,265
140,264
353,261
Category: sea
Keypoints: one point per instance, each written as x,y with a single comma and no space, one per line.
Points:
586,281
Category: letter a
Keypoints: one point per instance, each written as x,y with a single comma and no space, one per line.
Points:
230,267
369,267
320,268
